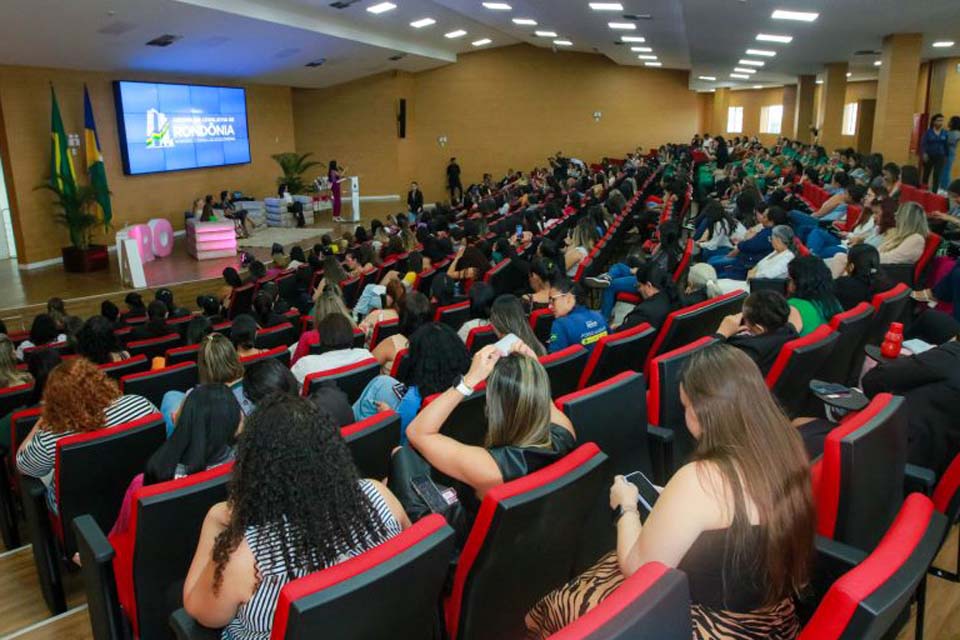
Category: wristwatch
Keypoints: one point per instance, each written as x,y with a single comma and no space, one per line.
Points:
463,388
619,512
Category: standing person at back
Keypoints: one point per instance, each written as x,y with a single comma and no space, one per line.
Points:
453,181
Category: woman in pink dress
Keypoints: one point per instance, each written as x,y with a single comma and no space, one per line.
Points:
334,175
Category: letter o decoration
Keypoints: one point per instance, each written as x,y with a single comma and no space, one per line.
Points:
162,232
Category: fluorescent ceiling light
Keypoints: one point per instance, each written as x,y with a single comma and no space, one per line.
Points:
766,37
849,74
632,39
653,64
758,86
740,76
709,78
646,57
819,81
641,49
497,6
422,22
766,53
480,43
800,16
622,26
606,6
744,70
943,43
546,34
563,43
525,21
752,63
877,63
382,7
459,33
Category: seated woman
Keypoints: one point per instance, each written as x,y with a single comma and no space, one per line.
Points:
660,297
862,277
470,264
812,299
78,398
436,360
507,316
774,264
579,243
668,252
243,335
542,272
481,298
525,431
231,212
415,311
877,216
336,349
702,284
721,231
761,330
573,322
384,304
97,342
753,248
43,332
296,505
39,365
10,375
232,280
328,301
904,244
737,520
135,307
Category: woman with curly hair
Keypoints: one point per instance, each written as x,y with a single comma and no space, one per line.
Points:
78,398
296,505
97,342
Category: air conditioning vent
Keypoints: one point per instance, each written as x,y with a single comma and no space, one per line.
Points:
343,4
164,41
319,62
399,56
637,16
866,52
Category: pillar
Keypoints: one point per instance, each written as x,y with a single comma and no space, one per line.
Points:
833,93
787,127
803,111
721,100
896,94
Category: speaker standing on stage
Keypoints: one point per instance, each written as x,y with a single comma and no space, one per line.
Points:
453,181
414,199
335,176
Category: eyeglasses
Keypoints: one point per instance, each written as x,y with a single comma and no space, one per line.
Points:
552,300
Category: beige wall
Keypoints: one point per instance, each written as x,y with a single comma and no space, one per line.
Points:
856,91
752,100
504,108
25,105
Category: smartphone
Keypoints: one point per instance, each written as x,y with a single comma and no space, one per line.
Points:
506,343
648,492
430,494
830,389
519,232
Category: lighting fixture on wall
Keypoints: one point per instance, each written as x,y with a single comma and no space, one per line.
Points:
442,141
597,115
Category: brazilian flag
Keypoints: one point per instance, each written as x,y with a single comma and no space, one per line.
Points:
62,175
95,169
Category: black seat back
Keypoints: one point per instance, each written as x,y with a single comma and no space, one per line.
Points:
844,365
480,337
241,300
372,441
182,354
153,384
799,362
565,368
541,321
136,364
280,353
281,335
683,326
352,379
618,352
153,347
15,397
453,315
888,306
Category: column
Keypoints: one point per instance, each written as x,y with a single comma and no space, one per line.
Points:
787,127
721,100
832,96
803,111
896,93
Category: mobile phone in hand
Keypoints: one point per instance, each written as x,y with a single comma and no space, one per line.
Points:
648,491
506,343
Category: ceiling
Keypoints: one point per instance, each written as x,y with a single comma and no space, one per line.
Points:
271,41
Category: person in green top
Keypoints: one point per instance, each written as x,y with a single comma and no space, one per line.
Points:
812,300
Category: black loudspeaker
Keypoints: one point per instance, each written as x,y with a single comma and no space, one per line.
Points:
402,118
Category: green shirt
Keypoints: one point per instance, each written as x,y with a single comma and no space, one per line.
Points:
810,315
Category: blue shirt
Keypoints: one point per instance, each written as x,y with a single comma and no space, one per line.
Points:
580,326
756,248
935,144
407,410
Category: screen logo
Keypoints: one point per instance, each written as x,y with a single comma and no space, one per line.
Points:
158,130
185,129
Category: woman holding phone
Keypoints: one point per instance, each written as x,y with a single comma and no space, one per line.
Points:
335,175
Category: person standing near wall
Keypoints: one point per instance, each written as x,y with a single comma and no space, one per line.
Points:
953,139
453,181
934,151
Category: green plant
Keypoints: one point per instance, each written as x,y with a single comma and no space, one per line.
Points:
294,166
76,212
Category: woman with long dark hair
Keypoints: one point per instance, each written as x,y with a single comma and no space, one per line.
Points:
335,176
97,342
812,299
296,505
862,277
507,316
660,297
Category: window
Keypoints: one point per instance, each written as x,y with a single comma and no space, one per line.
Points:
849,119
771,118
735,120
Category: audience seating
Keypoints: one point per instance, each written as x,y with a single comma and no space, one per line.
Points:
888,306
63,348
281,335
241,300
223,328
618,352
915,275
138,583
799,362
844,364
858,482
135,364
21,422
287,286
182,354
480,337
351,288
280,353
12,398
383,330
154,347
118,454
352,379
565,368
514,555
768,284
946,499
424,281
400,365
541,321
468,421
680,273
371,443
652,604
683,326
453,315
179,324
153,384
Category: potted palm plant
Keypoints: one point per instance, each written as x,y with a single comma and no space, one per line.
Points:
75,211
294,165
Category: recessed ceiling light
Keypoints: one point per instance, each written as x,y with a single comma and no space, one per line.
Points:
382,7
481,42
632,39
766,37
758,86
422,22
943,43
546,34
646,57
740,76
459,33
800,16
622,26
641,49
877,63
744,70
766,53
708,78
606,6
653,64
563,43
752,63
849,74
819,81
497,6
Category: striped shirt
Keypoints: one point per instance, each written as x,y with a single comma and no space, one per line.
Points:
254,619
37,458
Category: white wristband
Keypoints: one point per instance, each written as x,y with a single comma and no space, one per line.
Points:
464,390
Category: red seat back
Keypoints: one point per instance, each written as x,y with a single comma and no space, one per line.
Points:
799,362
618,352
352,379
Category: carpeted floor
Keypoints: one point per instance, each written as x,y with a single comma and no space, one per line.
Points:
265,237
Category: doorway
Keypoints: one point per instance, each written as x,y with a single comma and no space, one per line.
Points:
8,246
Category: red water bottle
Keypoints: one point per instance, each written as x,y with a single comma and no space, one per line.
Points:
892,341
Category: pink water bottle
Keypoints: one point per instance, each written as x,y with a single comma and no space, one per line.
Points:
892,341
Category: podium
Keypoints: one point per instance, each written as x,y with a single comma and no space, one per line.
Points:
354,182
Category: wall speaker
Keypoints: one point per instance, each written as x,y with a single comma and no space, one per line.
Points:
402,118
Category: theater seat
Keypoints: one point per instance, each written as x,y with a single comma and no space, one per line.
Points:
281,335
858,482
424,281
352,379
541,321
371,443
280,353
453,315
241,300
618,352
565,368
914,275
652,604
154,347
153,384
351,288
12,398
182,354
868,600
467,423
21,422
680,273
116,370
514,555
846,361
383,330
400,365
683,326
889,306
480,337
799,362
946,500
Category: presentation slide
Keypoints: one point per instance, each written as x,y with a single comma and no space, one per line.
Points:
172,127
